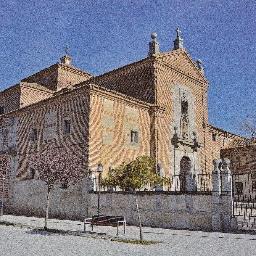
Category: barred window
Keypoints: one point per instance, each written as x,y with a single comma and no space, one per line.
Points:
239,188
134,136
32,173
34,134
67,126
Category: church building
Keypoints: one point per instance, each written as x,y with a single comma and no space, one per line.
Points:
156,106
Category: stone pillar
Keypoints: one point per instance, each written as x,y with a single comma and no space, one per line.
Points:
216,196
226,178
226,196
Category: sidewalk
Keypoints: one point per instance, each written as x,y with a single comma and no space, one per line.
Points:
22,240
132,232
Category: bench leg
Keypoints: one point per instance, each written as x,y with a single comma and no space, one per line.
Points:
117,227
124,224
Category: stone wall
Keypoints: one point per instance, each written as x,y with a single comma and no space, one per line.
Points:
29,198
183,211
158,209
112,119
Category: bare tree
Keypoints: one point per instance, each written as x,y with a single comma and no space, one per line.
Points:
57,166
249,127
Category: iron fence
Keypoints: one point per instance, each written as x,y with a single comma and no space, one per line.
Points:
191,183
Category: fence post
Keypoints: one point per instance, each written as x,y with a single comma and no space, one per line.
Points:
216,199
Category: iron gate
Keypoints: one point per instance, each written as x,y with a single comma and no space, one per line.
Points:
244,200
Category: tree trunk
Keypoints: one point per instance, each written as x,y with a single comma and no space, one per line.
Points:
47,208
139,218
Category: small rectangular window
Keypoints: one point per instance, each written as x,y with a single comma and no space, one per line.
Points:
1,110
5,137
32,173
239,188
67,126
134,137
34,134
214,137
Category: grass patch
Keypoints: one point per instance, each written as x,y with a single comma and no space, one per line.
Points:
52,231
135,241
7,223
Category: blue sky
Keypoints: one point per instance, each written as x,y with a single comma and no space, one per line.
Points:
103,35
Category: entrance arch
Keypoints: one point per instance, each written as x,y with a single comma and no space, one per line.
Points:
185,170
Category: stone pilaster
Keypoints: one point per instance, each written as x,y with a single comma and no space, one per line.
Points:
226,192
216,199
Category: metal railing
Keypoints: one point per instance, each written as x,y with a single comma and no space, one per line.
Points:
191,183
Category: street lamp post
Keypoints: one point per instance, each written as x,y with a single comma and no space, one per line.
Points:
99,171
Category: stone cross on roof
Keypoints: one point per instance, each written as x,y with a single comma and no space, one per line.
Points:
178,31
178,42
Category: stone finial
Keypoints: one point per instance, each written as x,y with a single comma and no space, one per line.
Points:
178,42
226,165
200,66
216,180
226,177
153,45
216,164
66,60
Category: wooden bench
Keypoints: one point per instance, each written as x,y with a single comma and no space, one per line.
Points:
102,220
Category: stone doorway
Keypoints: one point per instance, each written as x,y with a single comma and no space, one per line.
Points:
185,170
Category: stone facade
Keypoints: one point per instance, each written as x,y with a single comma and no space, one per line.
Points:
156,106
